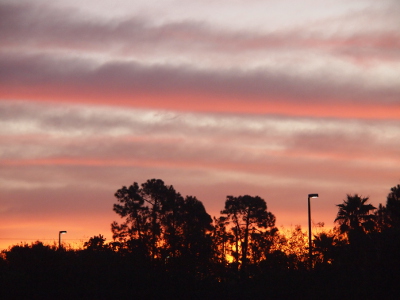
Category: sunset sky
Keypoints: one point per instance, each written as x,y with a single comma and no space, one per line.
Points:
271,98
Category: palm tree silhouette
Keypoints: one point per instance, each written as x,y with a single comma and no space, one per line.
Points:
355,215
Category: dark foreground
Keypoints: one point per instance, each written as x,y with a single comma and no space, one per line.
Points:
43,273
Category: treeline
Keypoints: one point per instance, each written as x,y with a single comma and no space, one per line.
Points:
166,245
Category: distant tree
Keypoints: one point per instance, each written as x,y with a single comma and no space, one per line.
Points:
96,243
355,216
246,214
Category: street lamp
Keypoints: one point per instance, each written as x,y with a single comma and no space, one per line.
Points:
59,237
309,228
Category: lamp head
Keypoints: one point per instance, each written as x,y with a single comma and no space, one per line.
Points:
312,195
63,231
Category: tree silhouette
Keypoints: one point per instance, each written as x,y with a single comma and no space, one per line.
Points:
393,207
295,245
389,216
357,222
325,247
221,240
196,226
96,243
355,215
387,241
246,214
262,243
161,223
136,227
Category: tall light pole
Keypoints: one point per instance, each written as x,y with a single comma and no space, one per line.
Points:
59,238
309,228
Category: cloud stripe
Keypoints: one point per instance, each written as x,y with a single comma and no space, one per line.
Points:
189,89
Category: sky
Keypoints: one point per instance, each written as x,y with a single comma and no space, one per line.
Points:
271,98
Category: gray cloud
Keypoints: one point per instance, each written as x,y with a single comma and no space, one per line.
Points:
30,26
62,78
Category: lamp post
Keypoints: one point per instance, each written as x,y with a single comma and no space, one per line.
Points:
309,228
59,237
